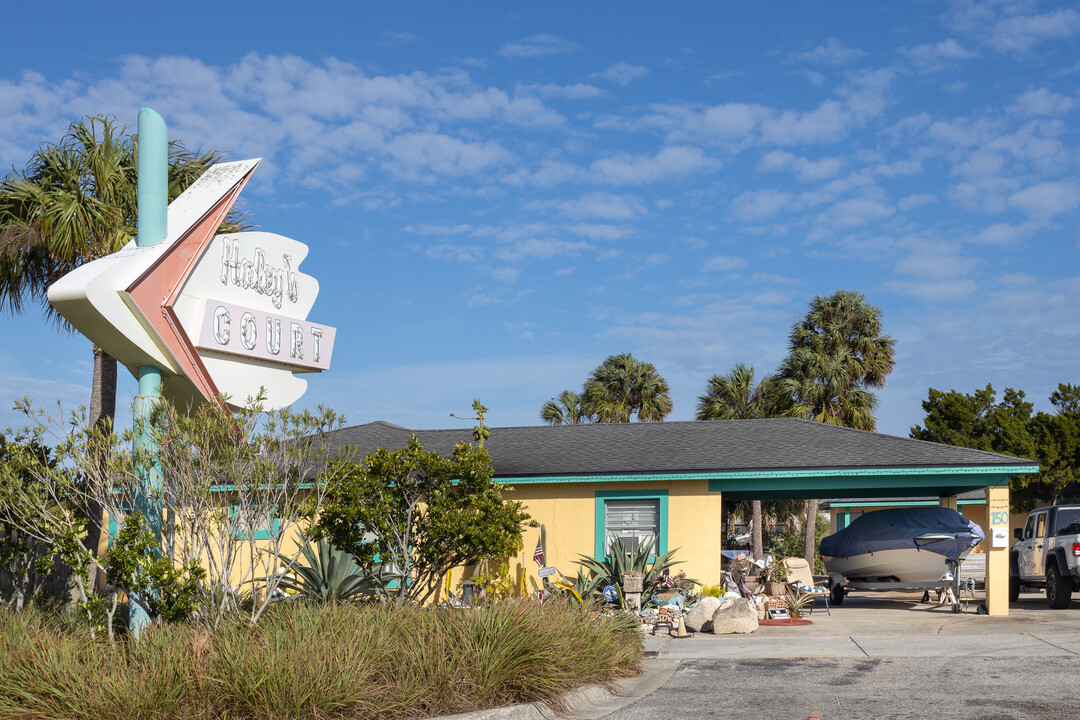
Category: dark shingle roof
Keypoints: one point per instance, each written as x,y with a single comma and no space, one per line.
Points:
688,447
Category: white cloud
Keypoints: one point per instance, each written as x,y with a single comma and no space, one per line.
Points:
627,169
1047,199
538,46
760,204
863,98
932,260
596,231
935,292
428,229
390,38
505,274
600,205
1022,33
450,251
577,91
415,154
854,212
622,73
939,56
1042,102
1004,234
917,200
832,52
723,263
540,249
804,170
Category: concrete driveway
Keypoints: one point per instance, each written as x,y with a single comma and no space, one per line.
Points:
877,656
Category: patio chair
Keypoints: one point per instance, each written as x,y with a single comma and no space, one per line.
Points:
801,578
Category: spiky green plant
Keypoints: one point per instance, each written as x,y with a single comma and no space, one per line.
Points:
330,575
583,588
641,558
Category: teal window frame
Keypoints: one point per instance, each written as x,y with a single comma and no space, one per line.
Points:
114,527
602,496
241,533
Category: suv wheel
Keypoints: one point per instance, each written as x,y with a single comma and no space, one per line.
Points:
1058,589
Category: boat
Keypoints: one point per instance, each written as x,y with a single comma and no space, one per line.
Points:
902,545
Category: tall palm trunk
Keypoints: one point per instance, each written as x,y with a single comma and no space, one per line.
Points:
811,532
102,413
757,548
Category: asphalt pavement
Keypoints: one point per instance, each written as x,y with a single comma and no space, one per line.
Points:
877,656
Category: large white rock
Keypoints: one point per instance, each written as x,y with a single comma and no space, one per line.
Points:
699,618
735,616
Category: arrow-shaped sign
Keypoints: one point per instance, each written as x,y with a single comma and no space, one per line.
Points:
150,305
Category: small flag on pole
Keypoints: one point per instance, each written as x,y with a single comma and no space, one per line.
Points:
669,582
538,553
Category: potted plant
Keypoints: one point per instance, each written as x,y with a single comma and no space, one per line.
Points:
797,600
774,576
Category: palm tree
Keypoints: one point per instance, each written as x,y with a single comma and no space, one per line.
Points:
735,396
836,354
622,386
565,410
75,202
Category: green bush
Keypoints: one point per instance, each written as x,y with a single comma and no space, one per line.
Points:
792,543
315,661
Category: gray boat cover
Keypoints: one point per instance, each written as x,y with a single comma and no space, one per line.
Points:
898,528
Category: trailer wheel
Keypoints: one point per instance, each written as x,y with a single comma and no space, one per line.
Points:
1058,591
838,595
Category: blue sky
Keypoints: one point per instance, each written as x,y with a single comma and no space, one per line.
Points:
497,198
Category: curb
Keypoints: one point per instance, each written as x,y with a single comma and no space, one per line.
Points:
592,701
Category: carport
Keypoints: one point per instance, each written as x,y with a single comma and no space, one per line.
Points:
571,478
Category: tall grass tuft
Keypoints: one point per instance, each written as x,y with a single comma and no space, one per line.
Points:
315,662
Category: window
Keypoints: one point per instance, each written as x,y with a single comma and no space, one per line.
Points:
635,516
261,524
1029,528
1040,528
1068,522
634,522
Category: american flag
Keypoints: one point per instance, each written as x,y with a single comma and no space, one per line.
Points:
669,582
538,553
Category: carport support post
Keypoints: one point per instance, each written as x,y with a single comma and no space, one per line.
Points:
997,558
950,502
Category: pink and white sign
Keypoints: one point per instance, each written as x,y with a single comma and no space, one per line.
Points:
216,313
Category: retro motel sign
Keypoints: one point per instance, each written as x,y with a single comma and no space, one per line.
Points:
215,313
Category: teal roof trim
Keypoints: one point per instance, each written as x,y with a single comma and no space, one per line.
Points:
1005,471
902,503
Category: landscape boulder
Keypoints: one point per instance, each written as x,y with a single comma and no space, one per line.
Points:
735,616
699,617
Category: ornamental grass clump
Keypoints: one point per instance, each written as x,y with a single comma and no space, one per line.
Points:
308,661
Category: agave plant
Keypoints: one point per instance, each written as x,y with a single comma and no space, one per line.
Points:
330,575
640,559
583,587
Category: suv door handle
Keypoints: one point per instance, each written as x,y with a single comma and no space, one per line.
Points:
1039,546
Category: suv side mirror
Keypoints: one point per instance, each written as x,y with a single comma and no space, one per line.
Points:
1018,533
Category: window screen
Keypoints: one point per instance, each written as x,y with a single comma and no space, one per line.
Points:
633,521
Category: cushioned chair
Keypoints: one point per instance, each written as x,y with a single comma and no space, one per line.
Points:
801,578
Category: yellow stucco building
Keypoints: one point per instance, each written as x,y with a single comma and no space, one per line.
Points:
586,483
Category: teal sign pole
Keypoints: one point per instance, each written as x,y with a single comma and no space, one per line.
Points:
153,198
